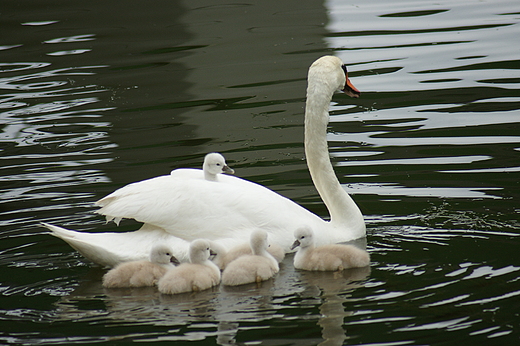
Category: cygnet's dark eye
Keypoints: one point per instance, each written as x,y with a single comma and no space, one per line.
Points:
168,254
344,68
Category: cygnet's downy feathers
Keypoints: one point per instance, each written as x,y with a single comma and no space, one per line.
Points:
259,266
141,273
330,257
198,275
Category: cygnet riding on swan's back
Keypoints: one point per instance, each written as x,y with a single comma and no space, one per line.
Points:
108,249
178,209
259,266
329,257
141,273
214,164
198,275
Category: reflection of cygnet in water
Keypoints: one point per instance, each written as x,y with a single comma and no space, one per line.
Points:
259,266
141,273
223,257
330,257
331,292
198,275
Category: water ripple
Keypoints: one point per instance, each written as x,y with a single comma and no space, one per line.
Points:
430,153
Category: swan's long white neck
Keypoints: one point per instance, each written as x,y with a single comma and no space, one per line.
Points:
344,213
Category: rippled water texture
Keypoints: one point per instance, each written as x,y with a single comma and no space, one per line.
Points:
96,95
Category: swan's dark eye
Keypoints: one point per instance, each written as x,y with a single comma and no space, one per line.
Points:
344,68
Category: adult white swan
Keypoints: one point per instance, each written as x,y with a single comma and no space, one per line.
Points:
177,208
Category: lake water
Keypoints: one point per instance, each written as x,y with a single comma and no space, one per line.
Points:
95,95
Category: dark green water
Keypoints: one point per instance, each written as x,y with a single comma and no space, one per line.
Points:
95,95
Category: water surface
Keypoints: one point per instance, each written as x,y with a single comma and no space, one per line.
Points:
90,101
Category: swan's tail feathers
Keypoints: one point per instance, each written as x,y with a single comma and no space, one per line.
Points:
104,201
59,232
89,245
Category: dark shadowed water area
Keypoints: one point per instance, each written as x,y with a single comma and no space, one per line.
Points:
95,95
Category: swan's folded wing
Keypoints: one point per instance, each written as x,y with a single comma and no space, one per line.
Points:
197,208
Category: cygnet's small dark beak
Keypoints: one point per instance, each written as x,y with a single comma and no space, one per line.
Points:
228,170
295,244
174,260
212,253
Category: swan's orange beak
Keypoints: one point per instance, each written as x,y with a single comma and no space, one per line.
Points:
350,89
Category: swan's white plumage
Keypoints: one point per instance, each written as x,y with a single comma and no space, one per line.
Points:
194,208
257,267
187,206
198,275
329,257
108,249
141,273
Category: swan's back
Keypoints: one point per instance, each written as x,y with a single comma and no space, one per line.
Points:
232,208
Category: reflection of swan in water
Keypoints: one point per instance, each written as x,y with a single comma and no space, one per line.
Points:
176,212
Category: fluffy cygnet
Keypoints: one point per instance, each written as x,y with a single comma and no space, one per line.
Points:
198,275
141,273
223,257
330,257
214,163
259,266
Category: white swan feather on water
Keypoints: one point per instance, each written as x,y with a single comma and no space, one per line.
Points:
181,207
